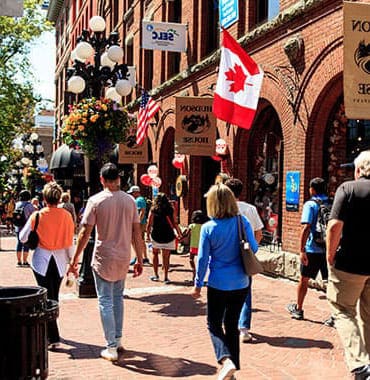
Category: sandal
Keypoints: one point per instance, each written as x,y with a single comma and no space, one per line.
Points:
154,278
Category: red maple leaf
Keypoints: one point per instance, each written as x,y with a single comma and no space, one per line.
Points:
237,76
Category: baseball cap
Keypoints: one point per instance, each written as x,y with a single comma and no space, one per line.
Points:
133,189
109,171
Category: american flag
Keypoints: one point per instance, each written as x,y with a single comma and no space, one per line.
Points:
148,108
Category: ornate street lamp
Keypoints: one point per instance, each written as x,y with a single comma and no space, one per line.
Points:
106,77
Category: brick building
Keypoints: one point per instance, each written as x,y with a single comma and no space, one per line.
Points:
300,125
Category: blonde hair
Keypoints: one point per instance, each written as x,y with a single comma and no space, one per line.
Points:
66,198
221,202
52,193
362,162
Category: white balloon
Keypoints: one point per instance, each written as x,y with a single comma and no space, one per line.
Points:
74,56
115,53
97,24
123,87
111,93
152,171
84,50
221,146
156,182
76,84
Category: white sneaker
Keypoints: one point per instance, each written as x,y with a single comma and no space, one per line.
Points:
245,336
110,353
227,370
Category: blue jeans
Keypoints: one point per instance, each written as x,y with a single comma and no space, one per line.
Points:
223,311
246,313
110,297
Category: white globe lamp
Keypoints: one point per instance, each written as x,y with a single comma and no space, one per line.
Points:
97,24
84,50
115,53
74,56
123,87
105,61
76,84
112,94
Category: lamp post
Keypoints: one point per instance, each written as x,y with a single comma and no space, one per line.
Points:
108,77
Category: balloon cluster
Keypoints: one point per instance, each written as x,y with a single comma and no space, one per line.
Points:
151,178
178,161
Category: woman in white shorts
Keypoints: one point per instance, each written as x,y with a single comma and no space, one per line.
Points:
160,230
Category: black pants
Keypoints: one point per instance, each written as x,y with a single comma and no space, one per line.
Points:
223,311
51,281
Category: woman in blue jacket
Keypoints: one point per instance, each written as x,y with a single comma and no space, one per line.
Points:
228,285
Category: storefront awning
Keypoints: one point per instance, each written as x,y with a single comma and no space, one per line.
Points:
66,158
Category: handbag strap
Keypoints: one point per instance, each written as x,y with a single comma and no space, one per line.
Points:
169,221
241,230
36,222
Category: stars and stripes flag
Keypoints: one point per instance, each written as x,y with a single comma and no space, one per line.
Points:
148,108
238,84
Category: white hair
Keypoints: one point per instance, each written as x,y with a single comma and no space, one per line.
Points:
362,162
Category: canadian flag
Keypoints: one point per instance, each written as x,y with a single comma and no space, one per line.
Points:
238,85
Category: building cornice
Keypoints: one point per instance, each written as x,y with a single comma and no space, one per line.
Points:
54,9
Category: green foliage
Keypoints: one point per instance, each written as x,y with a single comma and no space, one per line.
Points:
17,100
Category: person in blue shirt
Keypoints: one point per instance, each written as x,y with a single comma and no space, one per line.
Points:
228,285
312,255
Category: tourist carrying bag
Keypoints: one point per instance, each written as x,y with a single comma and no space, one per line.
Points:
250,262
33,239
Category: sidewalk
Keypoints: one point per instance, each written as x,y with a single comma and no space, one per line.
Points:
165,334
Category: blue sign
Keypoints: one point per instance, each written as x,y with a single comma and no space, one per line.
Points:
229,12
292,190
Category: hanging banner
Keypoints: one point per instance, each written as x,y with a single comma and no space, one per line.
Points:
164,36
195,126
293,181
356,73
131,153
229,12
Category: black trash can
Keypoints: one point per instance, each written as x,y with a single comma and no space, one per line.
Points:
24,313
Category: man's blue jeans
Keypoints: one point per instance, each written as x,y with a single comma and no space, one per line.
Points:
246,313
223,311
110,297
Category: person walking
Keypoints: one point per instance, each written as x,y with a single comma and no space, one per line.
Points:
23,209
114,215
160,231
141,209
197,219
9,209
348,290
50,259
68,205
228,285
312,254
251,213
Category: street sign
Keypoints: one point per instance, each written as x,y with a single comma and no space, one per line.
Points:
229,12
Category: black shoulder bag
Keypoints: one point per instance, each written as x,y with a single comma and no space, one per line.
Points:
33,238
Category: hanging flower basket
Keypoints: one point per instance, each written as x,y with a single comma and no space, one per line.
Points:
96,125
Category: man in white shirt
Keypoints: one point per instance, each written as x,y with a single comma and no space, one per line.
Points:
251,213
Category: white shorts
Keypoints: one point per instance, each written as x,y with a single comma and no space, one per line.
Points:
171,245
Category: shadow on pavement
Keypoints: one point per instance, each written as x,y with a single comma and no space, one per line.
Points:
163,366
291,342
174,305
79,350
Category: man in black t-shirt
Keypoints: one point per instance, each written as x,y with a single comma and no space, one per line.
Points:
349,266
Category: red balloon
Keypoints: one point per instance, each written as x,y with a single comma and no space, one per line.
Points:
177,164
145,180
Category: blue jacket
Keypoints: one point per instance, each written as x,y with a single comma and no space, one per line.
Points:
219,250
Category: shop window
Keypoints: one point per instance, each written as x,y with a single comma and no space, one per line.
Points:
148,72
358,137
266,10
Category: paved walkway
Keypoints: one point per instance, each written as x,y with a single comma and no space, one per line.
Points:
165,335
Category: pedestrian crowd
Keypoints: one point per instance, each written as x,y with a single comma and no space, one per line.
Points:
333,242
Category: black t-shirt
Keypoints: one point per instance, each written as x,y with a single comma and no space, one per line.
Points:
352,206
162,232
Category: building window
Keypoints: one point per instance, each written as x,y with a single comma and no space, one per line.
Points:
358,137
148,72
266,10
211,34
115,12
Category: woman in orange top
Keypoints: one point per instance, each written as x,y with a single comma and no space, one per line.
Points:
50,259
